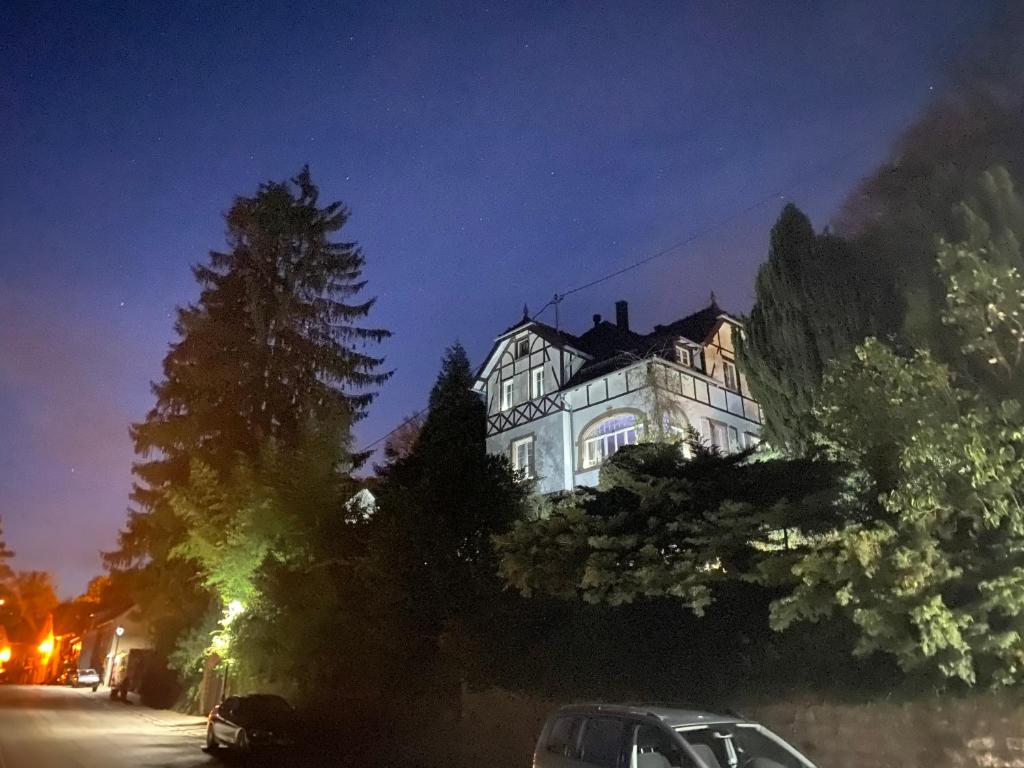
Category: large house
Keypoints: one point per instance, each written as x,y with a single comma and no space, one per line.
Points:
558,405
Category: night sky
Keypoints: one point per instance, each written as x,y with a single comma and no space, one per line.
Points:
491,153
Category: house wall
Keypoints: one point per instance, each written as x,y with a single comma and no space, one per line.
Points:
548,449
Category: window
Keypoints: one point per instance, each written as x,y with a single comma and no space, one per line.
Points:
684,355
752,440
522,348
522,456
603,741
604,439
507,391
729,375
718,434
724,745
564,738
537,381
734,439
655,749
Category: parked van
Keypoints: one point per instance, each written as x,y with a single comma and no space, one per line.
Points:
611,736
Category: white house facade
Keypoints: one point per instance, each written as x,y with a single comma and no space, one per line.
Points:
558,405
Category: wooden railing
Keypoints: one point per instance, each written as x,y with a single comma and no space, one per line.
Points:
524,413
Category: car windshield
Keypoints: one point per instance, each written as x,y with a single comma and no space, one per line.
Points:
735,745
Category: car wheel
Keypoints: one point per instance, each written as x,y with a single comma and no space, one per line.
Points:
95,687
211,740
242,742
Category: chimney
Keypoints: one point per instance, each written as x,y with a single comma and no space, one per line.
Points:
622,315
597,320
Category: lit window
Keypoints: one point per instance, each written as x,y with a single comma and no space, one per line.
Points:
522,347
522,456
604,439
506,394
537,381
729,375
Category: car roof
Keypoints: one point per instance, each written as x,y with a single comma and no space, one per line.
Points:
673,717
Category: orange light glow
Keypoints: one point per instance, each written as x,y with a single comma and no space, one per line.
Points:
5,655
46,647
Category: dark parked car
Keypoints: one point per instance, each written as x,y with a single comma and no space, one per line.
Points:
250,723
607,736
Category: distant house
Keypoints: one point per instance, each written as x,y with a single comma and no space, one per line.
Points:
105,649
558,404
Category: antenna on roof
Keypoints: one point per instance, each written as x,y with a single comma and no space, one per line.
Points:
556,300
714,300
526,312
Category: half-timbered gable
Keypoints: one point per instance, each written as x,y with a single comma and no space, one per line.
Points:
558,405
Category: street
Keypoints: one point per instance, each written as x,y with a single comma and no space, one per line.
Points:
43,726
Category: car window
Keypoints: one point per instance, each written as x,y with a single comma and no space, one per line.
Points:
564,736
654,748
603,741
723,745
230,707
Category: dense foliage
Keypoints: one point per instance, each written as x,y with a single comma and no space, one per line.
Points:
664,525
935,576
817,297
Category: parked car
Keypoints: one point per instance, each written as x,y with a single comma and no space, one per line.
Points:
85,678
608,736
248,723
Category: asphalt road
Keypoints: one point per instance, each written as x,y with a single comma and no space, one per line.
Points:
43,726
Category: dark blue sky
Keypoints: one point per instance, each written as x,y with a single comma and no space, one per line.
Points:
491,153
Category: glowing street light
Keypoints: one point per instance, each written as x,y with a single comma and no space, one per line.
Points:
5,654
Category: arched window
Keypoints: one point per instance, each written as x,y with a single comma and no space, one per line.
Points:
608,435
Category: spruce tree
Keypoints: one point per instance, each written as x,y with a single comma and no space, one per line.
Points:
272,346
816,298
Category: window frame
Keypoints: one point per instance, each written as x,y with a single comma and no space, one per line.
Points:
519,351
530,470
535,390
593,449
508,393
729,366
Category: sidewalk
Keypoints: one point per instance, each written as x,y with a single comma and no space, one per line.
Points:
166,718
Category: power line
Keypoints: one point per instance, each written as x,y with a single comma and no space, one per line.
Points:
714,226
706,230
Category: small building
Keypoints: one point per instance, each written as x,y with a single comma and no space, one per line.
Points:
559,404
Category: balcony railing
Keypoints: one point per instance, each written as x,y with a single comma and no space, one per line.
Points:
703,390
524,413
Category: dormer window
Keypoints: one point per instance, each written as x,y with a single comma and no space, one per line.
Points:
522,347
688,355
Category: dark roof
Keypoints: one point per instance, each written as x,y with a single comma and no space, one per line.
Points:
611,347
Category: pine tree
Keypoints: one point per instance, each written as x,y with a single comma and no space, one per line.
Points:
272,346
816,298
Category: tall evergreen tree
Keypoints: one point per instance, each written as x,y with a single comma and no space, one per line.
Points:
272,345
816,299
440,504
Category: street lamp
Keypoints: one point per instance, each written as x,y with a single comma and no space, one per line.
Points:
113,659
